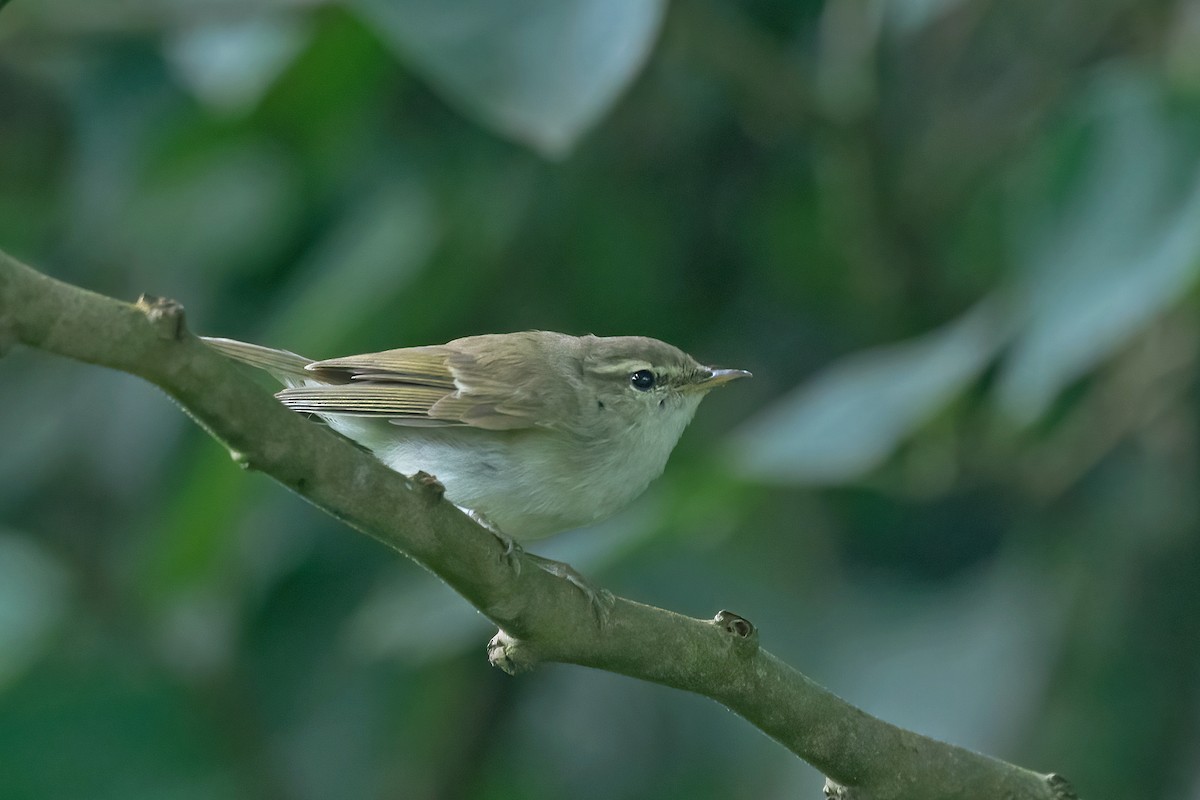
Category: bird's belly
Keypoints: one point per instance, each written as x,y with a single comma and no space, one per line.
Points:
522,486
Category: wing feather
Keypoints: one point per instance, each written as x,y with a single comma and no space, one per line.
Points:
451,384
359,399
424,366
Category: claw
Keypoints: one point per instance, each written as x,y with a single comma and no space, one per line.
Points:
600,599
512,551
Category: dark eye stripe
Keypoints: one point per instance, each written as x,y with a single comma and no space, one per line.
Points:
642,380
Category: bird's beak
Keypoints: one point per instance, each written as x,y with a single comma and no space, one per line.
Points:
717,377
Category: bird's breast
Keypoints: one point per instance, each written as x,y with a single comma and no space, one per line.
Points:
530,483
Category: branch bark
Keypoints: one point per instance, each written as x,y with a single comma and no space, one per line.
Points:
541,618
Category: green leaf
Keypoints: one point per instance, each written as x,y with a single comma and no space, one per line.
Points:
229,66
539,71
368,257
847,420
1125,248
221,205
911,16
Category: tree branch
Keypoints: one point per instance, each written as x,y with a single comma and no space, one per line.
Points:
541,618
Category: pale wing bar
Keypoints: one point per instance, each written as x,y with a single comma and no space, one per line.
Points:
364,400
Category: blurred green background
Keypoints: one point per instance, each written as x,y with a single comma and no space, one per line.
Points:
957,242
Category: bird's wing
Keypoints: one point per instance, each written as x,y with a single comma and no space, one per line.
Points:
285,365
419,386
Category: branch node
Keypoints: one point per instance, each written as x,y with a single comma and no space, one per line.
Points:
1061,787
431,484
745,635
510,655
835,791
165,315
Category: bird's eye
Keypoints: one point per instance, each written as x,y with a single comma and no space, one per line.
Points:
642,380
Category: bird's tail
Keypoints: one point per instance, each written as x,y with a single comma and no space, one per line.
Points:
287,367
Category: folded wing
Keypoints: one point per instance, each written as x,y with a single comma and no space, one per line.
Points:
417,386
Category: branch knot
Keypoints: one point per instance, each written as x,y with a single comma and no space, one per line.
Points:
509,654
741,630
165,315
1061,787
430,484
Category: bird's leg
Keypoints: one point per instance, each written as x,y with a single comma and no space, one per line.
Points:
600,599
512,550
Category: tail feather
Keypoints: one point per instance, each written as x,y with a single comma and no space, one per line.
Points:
287,367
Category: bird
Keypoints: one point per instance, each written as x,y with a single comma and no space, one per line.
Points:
532,433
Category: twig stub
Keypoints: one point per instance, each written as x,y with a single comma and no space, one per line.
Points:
165,314
509,654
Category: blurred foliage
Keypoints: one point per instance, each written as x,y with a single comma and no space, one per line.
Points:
957,242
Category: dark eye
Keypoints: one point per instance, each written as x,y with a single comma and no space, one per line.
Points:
642,380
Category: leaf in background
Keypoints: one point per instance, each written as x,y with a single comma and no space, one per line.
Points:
33,603
218,207
71,18
910,16
360,267
847,420
539,71
974,655
1127,247
230,66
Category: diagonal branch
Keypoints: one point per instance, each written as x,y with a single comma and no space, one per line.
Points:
541,618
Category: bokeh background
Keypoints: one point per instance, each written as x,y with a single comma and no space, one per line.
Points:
957,242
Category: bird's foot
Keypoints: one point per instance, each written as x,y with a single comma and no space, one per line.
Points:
512,551
600,599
